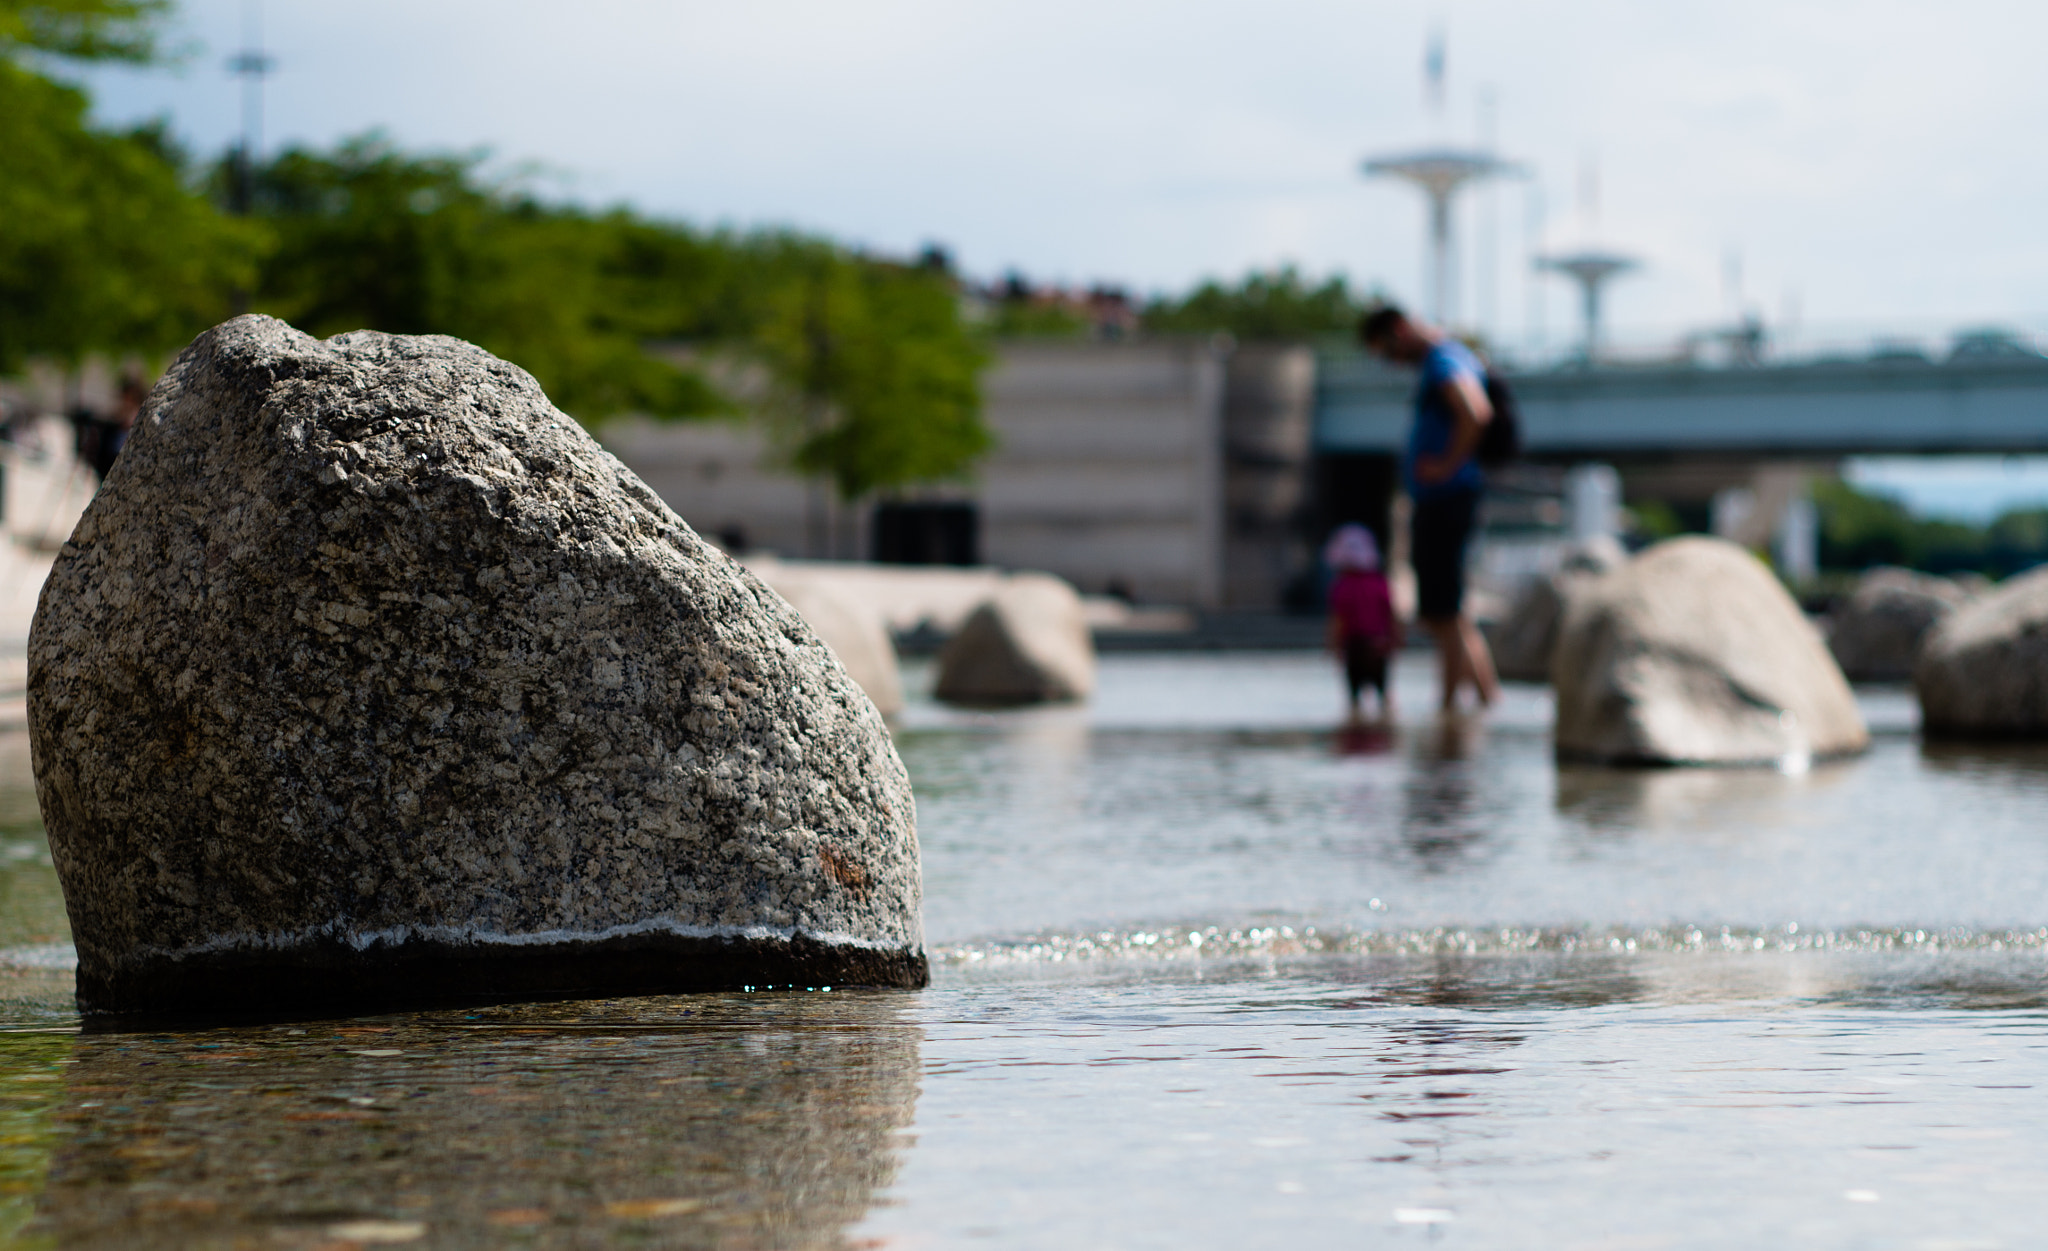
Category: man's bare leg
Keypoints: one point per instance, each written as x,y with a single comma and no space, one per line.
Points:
1450,655
1463,657
1479,662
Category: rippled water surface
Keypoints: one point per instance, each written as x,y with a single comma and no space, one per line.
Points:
1209,973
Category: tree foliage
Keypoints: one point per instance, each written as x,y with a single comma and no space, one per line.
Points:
1860,529
1264,306
880,377
103,246
876,378
109,244
370,237
86,30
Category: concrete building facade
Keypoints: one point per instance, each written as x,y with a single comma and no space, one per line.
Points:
1108,467
1168,471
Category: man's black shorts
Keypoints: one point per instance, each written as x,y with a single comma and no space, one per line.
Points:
1438,531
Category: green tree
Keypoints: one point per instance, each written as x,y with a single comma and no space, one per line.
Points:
1264,306
106,244
83,30
1864,528
103,246
2017,540
1026,319
876,378
1859,529
1944,545
371,237
1017,310
880,378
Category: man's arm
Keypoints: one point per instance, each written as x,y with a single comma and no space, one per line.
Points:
1470,411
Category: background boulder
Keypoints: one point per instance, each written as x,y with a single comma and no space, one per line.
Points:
1693,653
852,629
1877,632
1983,672
1522,640
368,677
1027,644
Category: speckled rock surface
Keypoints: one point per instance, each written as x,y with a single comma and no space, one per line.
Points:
1694,653
1983,672
853,631
370,678
1029,644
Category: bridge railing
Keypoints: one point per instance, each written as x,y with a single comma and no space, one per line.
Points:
1752,342
1969,403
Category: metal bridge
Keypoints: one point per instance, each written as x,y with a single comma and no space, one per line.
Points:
1824,409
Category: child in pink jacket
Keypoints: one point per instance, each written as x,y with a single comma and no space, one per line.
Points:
1363,631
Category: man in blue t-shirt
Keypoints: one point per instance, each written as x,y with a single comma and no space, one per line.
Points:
1445,482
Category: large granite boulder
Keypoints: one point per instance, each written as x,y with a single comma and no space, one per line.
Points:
369,678
1521,641
1028,644
1693,653
1984,670
1877,633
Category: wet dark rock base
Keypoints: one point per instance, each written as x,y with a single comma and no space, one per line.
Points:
331,977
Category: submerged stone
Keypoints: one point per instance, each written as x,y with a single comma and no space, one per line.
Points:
1521,642
1694,653
1983,672
1876,635
369,678
1029,644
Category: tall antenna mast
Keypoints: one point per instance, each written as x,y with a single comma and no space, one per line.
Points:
251,65
1489,220
1433,71
1440,173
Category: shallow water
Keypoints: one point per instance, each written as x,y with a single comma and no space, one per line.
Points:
1208,974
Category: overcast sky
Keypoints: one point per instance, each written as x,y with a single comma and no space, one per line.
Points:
1875,161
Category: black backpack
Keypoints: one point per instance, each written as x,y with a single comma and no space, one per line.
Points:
1501,440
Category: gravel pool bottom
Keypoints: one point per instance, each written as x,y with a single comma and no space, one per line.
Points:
1209,972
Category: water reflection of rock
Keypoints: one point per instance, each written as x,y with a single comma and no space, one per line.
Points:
2006,762
1890,981
1492,982
691,1122
1624,800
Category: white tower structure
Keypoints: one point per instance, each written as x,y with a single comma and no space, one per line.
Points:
1591,269
1441,173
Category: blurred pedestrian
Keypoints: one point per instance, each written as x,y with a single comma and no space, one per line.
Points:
1363,631
127,407
99,435
1442,474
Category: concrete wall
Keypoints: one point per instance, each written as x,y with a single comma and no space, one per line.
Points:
1108,472
1109,467
718,476
43,492
1268,408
